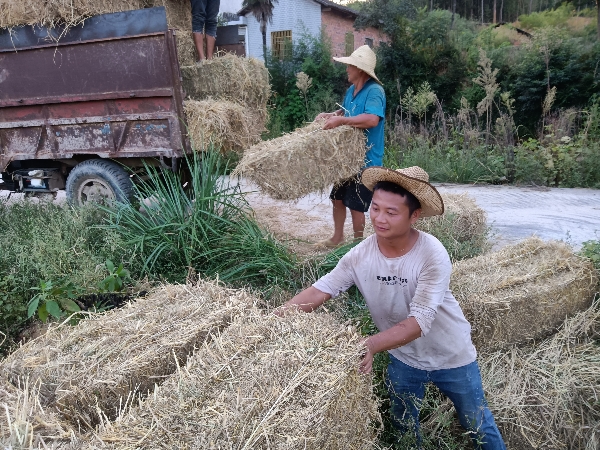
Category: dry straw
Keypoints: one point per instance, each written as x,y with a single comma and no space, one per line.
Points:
265,382
229,77
229,126
547,396
103,361
522,292
309,159
467,220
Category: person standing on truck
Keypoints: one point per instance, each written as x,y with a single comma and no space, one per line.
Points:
204,23
404,277
364,108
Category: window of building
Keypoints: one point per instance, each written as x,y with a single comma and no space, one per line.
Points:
369,42
281,43
349,41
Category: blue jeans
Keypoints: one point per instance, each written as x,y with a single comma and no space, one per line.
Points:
462,386
204,16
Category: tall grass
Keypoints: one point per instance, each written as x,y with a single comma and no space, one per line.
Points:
49,242
201,226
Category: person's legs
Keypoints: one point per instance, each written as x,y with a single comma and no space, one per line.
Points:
358,223
406,386
463,387
339,218
212,11
198,24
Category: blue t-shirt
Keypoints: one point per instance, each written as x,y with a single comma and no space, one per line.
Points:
371,100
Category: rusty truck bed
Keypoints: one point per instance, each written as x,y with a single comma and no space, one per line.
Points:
110,89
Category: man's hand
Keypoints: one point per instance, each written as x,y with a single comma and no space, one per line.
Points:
334,122
324,116
366,365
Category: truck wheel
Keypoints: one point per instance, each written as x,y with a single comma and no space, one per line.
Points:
98,181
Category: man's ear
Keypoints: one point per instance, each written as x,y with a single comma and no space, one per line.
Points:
415,216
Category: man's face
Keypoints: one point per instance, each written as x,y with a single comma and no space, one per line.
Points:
353,73
390,215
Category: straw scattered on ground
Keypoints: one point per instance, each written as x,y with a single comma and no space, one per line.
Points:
461,214
265,382
106,359
229,126
229,77
308,160
522,292
548,396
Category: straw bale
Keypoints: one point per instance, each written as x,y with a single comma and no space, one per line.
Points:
309,159
546,396
179,17
25,424
266,382
522,292
466,220
229,77
105,360
229,126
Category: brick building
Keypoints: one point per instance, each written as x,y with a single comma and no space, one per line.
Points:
294,18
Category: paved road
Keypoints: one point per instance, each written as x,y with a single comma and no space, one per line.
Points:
514,213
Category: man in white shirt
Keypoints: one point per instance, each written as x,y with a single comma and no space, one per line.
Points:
404,276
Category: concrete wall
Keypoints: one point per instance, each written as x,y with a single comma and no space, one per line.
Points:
300,16
336,25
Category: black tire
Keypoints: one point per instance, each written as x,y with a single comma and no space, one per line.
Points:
98,181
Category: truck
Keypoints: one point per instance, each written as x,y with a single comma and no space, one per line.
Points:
85,108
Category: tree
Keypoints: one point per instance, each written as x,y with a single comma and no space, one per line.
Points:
262,10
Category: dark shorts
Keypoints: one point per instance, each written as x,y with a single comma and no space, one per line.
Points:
353,194
204,16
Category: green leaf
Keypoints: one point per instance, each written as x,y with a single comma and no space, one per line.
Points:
33,306
43,313
110,266
53,308
69,305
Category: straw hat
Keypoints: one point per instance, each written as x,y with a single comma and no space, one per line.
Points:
414,179
364,58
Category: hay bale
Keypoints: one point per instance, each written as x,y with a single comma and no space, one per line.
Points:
309,159
179,17
24,424
546,396
462,217
522,292
266,382
109,357
229,77
229,126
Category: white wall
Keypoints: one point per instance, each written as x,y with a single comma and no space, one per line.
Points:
230,6
300,16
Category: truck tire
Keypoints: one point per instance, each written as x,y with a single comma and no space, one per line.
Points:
98,181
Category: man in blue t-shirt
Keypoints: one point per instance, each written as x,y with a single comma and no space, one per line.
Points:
363,107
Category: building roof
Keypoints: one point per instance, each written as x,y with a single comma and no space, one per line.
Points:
324,3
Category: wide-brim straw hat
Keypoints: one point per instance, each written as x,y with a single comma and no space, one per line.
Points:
364,58
414,179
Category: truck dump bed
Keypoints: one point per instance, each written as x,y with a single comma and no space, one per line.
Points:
110,88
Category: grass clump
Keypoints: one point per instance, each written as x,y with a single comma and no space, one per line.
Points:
202,226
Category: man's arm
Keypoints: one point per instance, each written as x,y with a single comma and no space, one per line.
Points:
400,334
325,115
362,121
308,300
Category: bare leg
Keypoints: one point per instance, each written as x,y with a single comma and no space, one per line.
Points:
199,42
339,217
358,223
210,46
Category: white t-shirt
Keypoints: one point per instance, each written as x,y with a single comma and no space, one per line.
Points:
413,285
